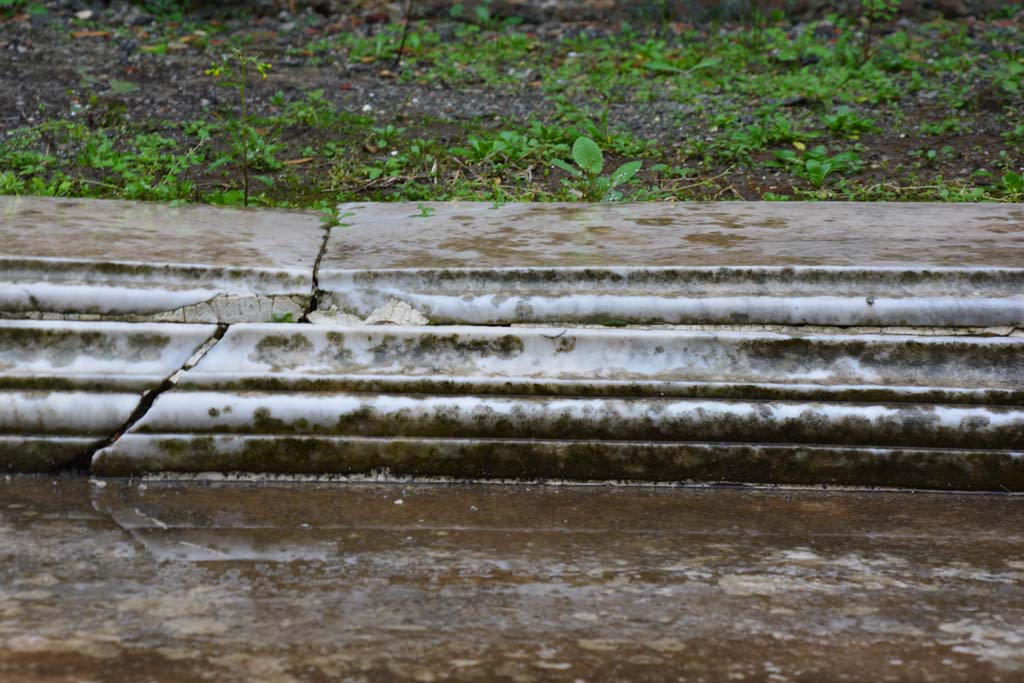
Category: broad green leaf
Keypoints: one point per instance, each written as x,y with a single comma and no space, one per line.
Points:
623,173
599,188
588,155
574,172
1013,182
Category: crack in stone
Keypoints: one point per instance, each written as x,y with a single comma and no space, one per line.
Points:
83,462
314,295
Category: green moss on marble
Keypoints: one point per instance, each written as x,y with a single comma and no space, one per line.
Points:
593,461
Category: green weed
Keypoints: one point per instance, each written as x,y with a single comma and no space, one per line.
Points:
816,165
845,121
253,151
591,185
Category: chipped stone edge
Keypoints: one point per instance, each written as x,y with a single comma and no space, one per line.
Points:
221,308
394,312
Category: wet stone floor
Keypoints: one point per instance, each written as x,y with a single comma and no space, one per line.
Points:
160,581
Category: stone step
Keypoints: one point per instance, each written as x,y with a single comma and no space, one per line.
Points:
832,264
67,386
589,404
609,363
134,261
815,343
844,264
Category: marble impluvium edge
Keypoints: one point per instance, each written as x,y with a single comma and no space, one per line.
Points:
477,263
680,263
830,265
298,356
303,399
560,460
66,386
722,296
483,235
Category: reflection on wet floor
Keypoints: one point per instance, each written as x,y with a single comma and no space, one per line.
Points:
160,581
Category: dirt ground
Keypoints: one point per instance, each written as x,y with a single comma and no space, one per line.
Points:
951,130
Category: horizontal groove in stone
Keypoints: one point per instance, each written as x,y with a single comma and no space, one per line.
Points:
526,386
64,412
582,418
202,298
694,280
87,353
533,459
617,310
188,277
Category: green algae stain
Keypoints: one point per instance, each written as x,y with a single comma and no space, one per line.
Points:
62,347
565,344
282,351
391,349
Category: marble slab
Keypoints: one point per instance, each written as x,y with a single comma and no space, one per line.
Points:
842,264
592,405
137,261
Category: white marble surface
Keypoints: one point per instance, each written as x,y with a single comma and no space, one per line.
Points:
146,261
103,231
682,263
302,353
481,235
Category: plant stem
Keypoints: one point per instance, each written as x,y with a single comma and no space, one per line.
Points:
245,138
405,33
